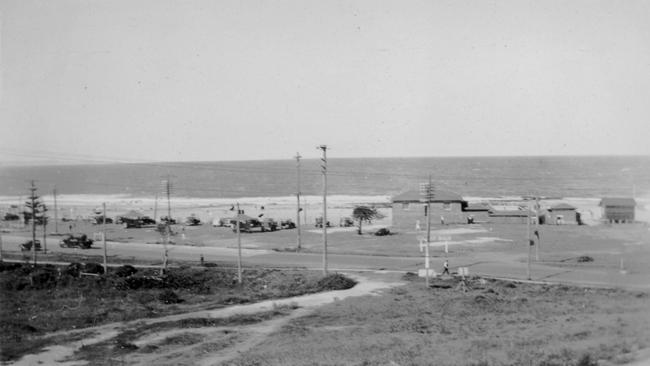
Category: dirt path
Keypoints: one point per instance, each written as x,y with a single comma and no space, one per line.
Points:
205,345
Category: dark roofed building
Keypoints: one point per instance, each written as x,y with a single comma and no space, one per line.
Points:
562,213
618,210
409,210
511,216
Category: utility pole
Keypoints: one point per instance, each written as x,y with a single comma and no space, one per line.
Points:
239,270
324,169
104,237
298,197
427,191
44,231
429,198
33,197
168,188
155,207
528,238
56,213
537,228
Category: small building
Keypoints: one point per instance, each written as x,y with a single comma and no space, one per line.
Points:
477,212
560,214
409,212
618,210
511,216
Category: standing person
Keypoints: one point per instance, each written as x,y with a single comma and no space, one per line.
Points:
445,267
442,220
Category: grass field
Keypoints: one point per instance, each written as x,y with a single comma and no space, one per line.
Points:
47,299
491,323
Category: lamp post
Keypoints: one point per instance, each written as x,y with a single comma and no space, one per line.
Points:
324,222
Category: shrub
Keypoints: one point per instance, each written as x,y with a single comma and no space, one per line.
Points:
586,360
138,282
43,278
73,269
169,297
94,268
382,232
125,271
9,266
335,281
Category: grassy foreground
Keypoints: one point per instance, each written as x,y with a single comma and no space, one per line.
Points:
483,323
35,302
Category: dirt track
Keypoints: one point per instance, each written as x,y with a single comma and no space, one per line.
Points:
207,346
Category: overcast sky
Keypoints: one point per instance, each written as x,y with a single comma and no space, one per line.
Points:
238,80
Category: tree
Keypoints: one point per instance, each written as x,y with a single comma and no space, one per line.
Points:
35,211
365,213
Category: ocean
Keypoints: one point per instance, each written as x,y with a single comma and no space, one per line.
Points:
478,177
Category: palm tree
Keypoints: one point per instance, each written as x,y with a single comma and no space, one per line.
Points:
365,213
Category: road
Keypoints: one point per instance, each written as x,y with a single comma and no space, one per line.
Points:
485,264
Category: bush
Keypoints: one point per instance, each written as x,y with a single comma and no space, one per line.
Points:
335,281
125,271
169,297
9,266
43,278
382,232
586,360
73,269
138,282
94,268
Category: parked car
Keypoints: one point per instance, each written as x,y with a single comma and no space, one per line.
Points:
167,220
130,223
98,220
269,224
11,217
71,241
27,246
346,222
382,232
192,221
319,222
248,225
287,224
224,221
146,220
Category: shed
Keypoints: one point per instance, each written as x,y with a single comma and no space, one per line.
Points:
478,212
562,213
409,209
511,216
618,210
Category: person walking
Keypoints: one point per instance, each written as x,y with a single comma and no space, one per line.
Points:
445,267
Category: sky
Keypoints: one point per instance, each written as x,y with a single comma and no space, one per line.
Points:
213,80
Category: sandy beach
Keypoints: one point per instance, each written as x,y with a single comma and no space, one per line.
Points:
79,207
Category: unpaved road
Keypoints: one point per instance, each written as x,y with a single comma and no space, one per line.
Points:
207,345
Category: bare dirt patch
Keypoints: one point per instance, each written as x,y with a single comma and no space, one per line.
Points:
481,322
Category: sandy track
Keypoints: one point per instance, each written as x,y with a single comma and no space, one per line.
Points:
211,345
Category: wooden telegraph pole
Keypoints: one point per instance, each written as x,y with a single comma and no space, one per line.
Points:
324,170
537,228
33,197
239,267
427,191
168,188
528,238
298,198
56,213
104,238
